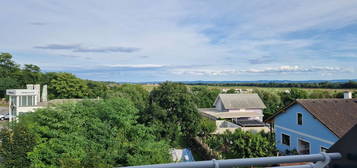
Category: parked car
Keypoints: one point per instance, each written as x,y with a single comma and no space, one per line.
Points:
4,116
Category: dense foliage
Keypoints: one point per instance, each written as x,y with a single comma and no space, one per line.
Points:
271,100
103,133
15,144
330,85
136,93
242,144
206,127
60,84
204,97
130,126
173,111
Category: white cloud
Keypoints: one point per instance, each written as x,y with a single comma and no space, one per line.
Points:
234,37
136,65
280,69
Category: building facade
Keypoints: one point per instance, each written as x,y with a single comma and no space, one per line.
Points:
297,129
24,100
237,111
313,125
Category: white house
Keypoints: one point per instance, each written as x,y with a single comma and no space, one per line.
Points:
24,100
243,111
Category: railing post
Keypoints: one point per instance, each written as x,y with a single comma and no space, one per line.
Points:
215,163
324,163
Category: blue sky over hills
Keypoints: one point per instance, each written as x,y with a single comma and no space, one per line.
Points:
184,39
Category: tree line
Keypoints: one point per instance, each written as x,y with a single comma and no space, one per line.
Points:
128,126
60,84
131,126
328,85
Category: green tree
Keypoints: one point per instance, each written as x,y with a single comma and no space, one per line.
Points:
293,94
231,91
271,100
8,83
173,107
8,67
101,133
97,89
319,94
15,145
243,144
66,85
206,127
30,74
204,97
136,93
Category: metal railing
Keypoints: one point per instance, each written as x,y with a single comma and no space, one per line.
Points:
320,160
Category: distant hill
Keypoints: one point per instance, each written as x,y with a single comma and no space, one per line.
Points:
256,81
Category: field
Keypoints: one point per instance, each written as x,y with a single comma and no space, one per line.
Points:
270,89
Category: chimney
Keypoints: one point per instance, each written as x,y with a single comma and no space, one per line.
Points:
347,95
29,86
44,93
37,89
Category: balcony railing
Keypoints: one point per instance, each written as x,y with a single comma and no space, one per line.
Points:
318,161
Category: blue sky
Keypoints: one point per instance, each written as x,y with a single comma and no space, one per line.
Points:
136,41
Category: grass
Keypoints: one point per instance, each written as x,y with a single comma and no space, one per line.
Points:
3,105
4,124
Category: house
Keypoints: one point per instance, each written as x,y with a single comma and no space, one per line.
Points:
312,125
233,111
25,100
29,99
347,147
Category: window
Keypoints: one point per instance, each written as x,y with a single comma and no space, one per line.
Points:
29,100
299,118
13,100
23,101
304,147
285,139
323,149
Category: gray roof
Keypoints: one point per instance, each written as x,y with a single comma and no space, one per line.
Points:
241,101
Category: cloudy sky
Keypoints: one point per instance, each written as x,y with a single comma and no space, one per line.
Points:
136,41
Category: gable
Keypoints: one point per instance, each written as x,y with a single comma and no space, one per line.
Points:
240,101
310,124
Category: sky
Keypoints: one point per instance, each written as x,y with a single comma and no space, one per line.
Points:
184,40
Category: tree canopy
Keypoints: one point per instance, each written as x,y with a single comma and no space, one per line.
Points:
242,144
172,108
204,97
102,133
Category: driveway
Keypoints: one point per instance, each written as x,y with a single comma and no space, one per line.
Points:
4,110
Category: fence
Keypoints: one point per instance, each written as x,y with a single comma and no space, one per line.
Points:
322,160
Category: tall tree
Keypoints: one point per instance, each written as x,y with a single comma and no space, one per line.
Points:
31,74
290,96
136,93
271,100
66,85
15,145
242,144
172,105
204,97
8,67
101,133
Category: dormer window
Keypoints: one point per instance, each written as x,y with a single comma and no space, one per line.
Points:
299,118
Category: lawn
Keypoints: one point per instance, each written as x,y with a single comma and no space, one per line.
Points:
3,124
